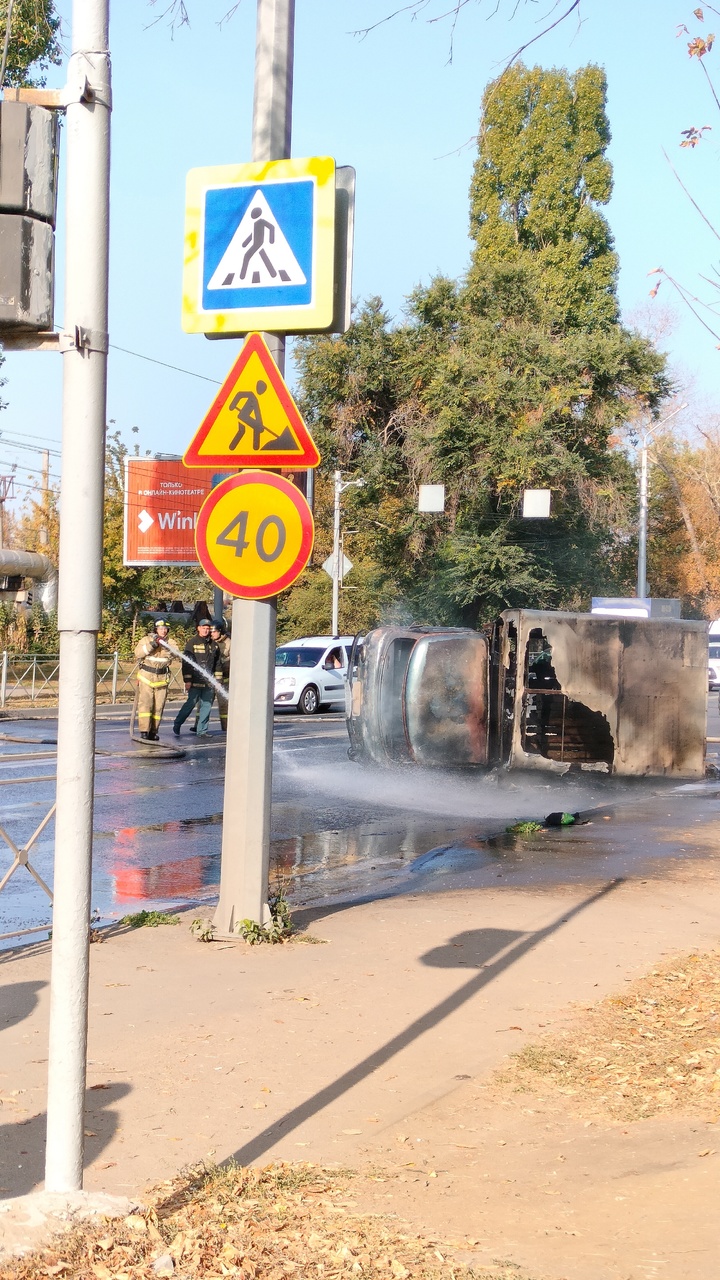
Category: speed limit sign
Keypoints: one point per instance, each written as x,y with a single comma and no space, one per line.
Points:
254,534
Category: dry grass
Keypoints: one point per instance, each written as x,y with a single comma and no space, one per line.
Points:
653,1050
285,1220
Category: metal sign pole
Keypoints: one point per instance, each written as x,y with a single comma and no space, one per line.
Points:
84,344
247,800
338,487
642,534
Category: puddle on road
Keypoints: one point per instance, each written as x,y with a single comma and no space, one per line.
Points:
312,866
380,833
385,856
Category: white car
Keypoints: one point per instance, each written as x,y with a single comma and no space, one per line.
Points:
310,673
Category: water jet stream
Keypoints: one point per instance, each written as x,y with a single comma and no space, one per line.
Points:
207,675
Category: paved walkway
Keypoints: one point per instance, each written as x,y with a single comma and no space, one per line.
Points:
337,1052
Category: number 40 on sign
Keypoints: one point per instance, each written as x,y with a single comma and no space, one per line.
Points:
254,535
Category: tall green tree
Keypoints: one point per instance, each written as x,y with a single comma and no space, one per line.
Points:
519,376
540,177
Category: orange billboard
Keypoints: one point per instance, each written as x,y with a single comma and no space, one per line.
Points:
162,502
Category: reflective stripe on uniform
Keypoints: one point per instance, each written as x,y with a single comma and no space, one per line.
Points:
153,684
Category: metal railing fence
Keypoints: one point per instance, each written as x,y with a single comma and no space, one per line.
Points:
33,677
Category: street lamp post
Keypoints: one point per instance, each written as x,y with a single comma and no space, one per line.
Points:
340,487
646,440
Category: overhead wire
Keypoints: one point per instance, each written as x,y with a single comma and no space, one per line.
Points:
37,487
164,364
31,436
5,462
21,444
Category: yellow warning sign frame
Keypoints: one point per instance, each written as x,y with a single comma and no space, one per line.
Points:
315,316
224,422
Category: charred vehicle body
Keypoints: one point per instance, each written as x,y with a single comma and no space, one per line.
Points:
538,690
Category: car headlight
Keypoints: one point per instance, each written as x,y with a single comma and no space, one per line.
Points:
284,681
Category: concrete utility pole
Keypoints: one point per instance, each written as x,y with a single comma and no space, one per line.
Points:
84,345
248,760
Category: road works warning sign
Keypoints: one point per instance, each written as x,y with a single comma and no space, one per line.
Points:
162,503
253,421
260,247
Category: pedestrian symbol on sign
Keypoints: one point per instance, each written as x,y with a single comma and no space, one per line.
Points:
258,255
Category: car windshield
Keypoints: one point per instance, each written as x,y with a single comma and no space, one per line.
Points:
715,650
298,657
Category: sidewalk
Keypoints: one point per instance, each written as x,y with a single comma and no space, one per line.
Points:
379,1040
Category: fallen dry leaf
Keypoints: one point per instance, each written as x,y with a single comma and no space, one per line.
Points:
651,1050
286,1219
135,1222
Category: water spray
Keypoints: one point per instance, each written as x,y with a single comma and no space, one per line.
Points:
206,675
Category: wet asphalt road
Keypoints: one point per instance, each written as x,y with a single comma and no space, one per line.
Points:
340,830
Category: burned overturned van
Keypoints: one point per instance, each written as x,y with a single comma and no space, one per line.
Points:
539,690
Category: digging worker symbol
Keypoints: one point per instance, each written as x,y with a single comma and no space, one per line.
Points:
153,679
246,405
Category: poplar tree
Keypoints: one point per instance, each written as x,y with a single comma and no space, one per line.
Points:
519,376
540,177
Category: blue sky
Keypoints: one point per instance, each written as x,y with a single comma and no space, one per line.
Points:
392,105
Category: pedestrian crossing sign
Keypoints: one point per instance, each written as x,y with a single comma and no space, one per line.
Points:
253,420
260,247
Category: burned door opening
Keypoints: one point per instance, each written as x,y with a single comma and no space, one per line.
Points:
553,725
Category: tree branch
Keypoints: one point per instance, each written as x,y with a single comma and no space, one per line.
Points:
415,7
687,193
179,16
712,86
518,52
686,296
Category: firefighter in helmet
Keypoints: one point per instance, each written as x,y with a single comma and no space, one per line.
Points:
218,633
153,679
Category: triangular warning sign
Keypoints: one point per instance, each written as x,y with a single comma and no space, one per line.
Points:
258,255
253,421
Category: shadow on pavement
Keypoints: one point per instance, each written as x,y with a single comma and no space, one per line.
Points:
22,1144
483,943
478,945
19,1000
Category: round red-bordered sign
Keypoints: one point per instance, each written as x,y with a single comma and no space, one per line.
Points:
254,534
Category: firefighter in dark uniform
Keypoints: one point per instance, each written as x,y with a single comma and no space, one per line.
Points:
218,633
204,653
153,680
